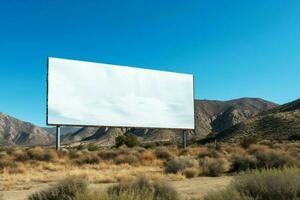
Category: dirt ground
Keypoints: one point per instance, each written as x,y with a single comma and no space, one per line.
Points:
187,188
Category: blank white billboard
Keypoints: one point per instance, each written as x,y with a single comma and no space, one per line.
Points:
97,94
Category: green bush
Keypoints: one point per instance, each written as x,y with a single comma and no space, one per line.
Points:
274,159
243,163
143,189
93,147
265,184
246,141
213,166
226,194
270,184
127,139
180,164
67,189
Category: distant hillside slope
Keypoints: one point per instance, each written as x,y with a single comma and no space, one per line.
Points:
210,116
16,132
279,123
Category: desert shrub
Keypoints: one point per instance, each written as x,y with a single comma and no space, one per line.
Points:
191,172
21,155
93,147
73,154
243,162
212,153
226,194
7,164
42,154
213,166
270,184
88,158
179,164
274,159
64,190
127,139
143,189
127,159
265,184
147,157
163,153
246,141
108,154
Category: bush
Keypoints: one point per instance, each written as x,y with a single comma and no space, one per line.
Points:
93,147
191,172
269,184
261,185
127,159
108,154
274,159
163,153
64,190
21,155
143,189
243,162
246,141
40,154
7,164
227,194
88,159
180,164
147,157
128,139
213,166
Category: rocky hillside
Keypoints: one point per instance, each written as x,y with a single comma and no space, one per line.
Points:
16,132
210,116
279,123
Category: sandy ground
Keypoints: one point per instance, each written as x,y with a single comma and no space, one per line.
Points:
188,188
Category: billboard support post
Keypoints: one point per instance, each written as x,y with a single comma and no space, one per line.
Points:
184,139
57,138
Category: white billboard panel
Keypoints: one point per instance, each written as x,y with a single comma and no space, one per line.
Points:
97,94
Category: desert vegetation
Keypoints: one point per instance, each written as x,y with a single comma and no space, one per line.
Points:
22,168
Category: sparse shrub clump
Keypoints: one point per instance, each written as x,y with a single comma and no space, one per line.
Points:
64,190
214,166
262,185
163,153
180,164
191,172
127,139
248,140
243,163
88,159
127,159
142,189
40,154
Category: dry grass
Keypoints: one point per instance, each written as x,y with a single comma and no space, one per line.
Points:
22,167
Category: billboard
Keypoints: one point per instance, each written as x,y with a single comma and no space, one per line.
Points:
96,94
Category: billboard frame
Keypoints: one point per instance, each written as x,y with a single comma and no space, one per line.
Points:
98,126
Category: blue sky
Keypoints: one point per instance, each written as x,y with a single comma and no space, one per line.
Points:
234,48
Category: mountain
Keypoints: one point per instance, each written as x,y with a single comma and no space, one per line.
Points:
210,117
63,130
17,132
279,123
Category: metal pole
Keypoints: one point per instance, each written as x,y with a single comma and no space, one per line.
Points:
184,139
57,138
